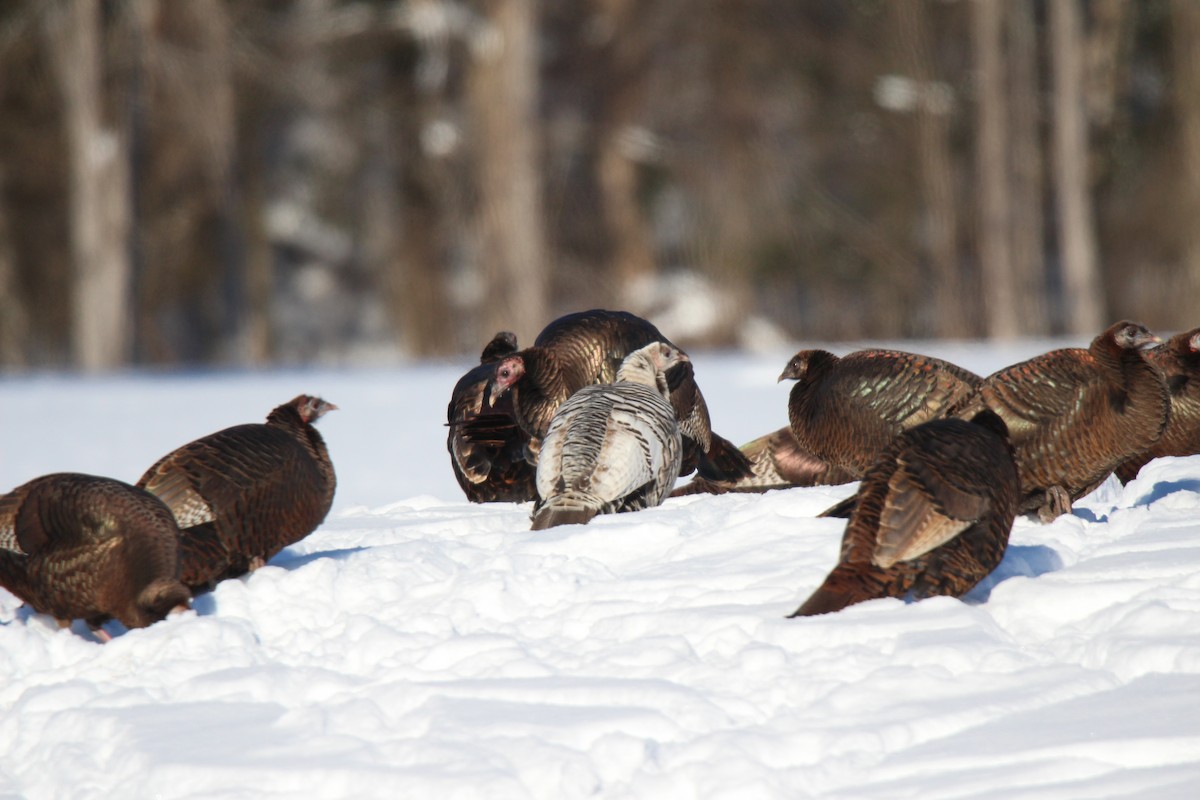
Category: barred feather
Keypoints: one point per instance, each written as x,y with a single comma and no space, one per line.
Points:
933,516
611,447
586,348
249,491
1179,362
90,548
1076,414
845,411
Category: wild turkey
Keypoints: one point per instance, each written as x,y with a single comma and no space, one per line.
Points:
777,461
493,467
588,347
1178,359
844,411
933,516
1074,415
611,447
242,494
83,547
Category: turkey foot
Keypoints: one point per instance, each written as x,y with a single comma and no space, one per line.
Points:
1057,503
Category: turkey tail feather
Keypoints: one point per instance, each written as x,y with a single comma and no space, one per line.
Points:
550,517
724,462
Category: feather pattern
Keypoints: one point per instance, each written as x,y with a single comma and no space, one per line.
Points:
492,465
256,488
933,516
1074,414
1178,360
90,548
777,461
611,447
844,411
587,348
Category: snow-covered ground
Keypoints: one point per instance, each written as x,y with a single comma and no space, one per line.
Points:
418,646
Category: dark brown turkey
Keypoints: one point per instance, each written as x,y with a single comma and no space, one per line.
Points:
845,410
612,447
588,347
777,461
1075,414
933,516
83,547
1178,359
242,494
492,467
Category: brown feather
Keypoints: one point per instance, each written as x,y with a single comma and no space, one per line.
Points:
1178,360
1074,415
845,411
491,464
777,461
933,516
94,548
588,347
265,486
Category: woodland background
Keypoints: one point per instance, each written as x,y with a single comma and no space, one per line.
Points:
345,181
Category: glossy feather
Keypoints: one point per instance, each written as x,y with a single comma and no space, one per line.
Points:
1178,359
492,465
845,411
586,348
84,547
777,461
933,516
1076,414
244,493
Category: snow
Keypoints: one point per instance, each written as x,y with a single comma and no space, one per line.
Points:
420,646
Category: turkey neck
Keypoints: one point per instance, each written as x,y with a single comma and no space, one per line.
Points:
287,418
542,389
804,396
1178,363
1134,383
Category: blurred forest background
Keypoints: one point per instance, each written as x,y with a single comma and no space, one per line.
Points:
241,182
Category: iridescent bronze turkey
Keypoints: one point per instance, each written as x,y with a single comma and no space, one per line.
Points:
491,467
1076,414
777,461
844,411
588,347
84,547
933,516
1178,359
242,494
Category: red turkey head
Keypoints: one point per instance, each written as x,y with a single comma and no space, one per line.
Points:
508,372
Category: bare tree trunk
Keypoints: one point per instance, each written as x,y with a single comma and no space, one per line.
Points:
99,186
503,94
14,321
1185,30
1028,236
997,280
631,248
933,116
1103,59
1082,290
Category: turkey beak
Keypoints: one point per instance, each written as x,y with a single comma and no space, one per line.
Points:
179,609
330,407
1149,342
494,394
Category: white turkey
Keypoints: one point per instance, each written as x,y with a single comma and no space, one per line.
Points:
612,447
